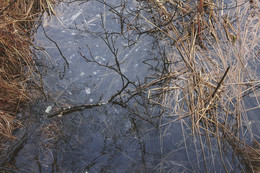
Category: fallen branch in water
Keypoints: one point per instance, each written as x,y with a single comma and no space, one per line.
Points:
64,111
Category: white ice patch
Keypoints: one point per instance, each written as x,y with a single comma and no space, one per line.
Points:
48,109
123,70
128,125
96,72
75,16
87,90
116,111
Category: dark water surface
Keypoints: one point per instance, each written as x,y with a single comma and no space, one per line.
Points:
133,137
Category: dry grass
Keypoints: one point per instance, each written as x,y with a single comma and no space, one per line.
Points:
214,64
17,19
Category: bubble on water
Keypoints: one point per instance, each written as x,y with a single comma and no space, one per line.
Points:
82,74
97,57
87,90
127,124
116,111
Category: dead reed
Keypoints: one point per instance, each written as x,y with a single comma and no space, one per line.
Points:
214,62
17,20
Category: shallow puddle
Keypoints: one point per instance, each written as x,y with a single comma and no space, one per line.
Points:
90,57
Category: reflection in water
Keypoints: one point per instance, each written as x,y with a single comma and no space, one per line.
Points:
107,59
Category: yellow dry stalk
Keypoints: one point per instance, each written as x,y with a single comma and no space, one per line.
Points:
158,27
160,3
49,4
163,89
227,25
209,106
241,94
172,26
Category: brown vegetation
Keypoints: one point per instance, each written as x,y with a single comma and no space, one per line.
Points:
17,19
213,67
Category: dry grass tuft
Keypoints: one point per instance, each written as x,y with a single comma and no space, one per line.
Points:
214,66
250,158
17,19
7,125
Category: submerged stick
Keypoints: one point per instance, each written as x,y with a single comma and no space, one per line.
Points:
64,111
213,95
220,82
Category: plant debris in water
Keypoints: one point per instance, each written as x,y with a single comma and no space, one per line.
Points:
209,71
214,71
17,70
